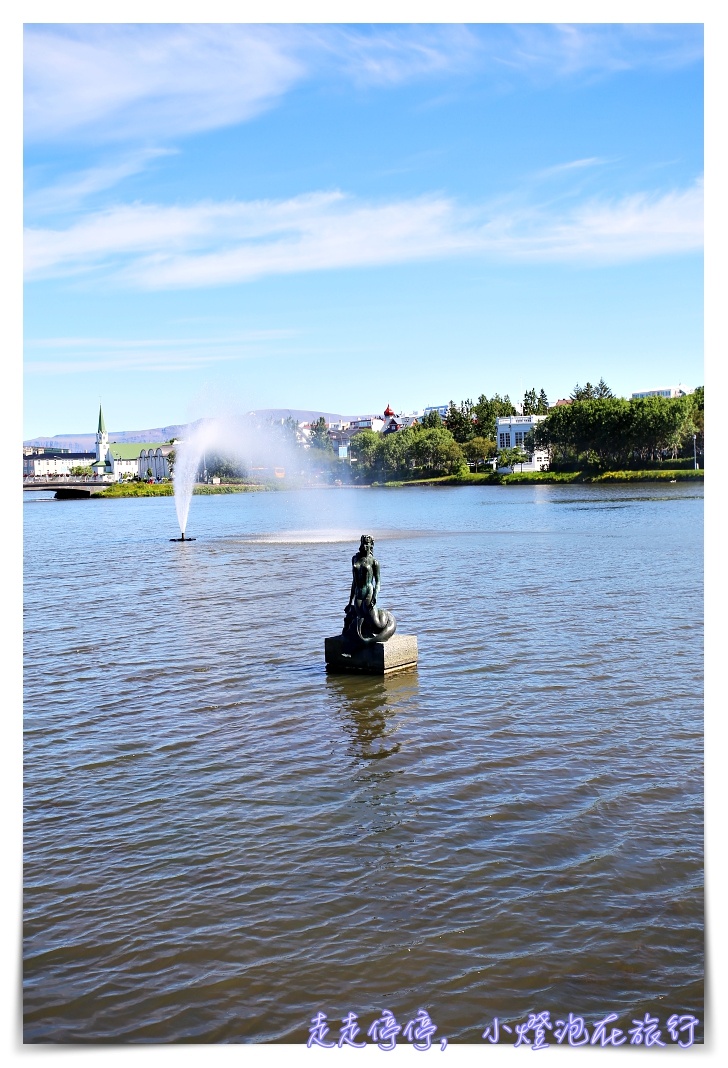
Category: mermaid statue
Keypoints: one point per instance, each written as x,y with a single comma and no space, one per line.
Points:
364,623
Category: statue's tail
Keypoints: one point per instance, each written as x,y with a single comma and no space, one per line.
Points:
383,625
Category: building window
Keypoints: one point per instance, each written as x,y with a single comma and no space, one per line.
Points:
505,441
519,437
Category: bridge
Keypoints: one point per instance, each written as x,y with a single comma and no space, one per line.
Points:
78,487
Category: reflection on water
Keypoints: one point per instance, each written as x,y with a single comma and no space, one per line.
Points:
326,537
222,840
369,708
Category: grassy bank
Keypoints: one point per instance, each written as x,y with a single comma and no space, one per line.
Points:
493,478
166,489
489,478
208,491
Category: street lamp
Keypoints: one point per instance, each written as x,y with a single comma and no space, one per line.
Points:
695,453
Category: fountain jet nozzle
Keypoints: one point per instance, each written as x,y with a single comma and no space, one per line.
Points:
183,538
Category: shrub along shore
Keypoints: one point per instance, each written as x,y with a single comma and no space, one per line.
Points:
166,489
489,478
494,478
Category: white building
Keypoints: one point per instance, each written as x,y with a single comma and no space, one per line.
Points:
41,463
369,422
511,433
116,461
409,419
110,462
669,391
441,409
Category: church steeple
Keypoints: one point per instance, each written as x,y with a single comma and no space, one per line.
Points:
102,439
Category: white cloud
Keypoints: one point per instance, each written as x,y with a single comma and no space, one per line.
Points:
70,192
70,355
209,244
629,228
390,55
559,169
159,81
558,51
139,81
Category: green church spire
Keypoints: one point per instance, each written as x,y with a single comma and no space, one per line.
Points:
102,424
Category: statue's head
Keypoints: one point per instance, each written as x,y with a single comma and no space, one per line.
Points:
366,545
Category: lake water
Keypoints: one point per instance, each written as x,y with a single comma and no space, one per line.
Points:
222,841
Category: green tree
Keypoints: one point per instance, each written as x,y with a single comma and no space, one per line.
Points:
436,450
602,391
530,402
224,467
364,453
511,457
394,453
543,403
320,436
486,411
459,421
171,460
81,471
478,450
661,424
583,393
286,430
612,432
431,421
698,418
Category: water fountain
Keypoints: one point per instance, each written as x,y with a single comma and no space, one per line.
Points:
184,476
231,435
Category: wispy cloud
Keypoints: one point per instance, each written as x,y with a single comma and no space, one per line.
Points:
208,244
139,81
71,355
391,55
160,82
561,51
560,169
71,192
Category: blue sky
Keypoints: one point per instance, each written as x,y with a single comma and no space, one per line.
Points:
341,217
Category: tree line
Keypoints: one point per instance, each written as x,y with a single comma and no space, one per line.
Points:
613,433
595,430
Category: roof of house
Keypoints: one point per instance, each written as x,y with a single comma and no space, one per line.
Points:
133,450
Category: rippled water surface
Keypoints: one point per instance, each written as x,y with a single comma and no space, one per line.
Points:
221,840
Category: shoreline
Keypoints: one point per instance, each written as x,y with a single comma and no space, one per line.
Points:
552,478
120,491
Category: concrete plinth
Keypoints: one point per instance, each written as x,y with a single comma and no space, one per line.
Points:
381,658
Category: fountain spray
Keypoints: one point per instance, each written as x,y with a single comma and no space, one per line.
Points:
233,435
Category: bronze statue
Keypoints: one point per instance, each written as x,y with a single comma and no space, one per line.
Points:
364,623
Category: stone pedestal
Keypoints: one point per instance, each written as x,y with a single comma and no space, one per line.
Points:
381,658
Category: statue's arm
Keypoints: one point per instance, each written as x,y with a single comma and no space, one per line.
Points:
375,573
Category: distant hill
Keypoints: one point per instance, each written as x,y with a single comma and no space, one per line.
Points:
302,415
86,442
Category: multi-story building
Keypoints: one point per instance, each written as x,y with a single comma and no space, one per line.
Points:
368,422
47,463
512,433
669,391
441,409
